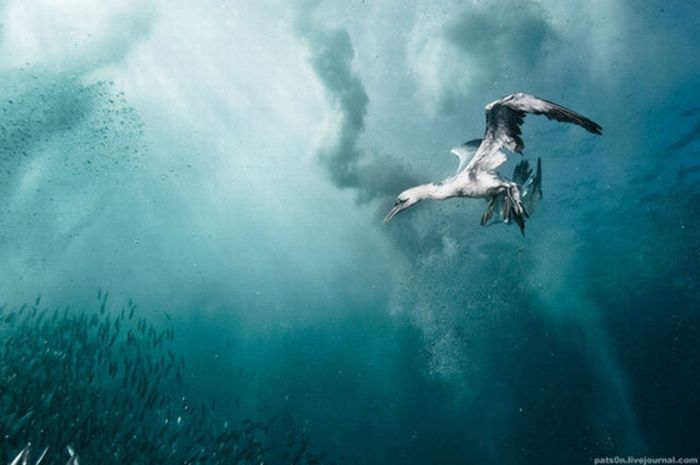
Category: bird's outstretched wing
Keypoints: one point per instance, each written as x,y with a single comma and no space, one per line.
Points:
503,120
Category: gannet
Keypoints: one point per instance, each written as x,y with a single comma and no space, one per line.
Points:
476,175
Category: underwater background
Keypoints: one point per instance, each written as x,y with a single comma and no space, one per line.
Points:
221,169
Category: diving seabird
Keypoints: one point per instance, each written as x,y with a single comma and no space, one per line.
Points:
478,159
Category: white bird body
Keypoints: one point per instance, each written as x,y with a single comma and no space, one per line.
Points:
476,175
473,184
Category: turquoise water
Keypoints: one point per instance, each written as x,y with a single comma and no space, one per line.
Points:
224,167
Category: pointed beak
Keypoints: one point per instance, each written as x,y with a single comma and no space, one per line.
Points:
393,212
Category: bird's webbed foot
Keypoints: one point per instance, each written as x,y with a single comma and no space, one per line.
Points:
489,211
514,209
514,205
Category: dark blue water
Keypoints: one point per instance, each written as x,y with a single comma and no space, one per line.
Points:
230,164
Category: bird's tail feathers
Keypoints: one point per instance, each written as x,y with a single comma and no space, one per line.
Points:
522,172
530,181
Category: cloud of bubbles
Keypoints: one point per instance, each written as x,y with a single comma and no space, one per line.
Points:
349,165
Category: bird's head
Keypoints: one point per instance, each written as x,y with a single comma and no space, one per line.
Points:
407,198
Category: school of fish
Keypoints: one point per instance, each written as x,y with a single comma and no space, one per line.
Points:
106,388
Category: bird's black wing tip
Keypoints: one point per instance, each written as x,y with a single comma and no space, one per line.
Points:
592,126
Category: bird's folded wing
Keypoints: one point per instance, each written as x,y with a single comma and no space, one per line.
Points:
465,152
488,156
504,118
